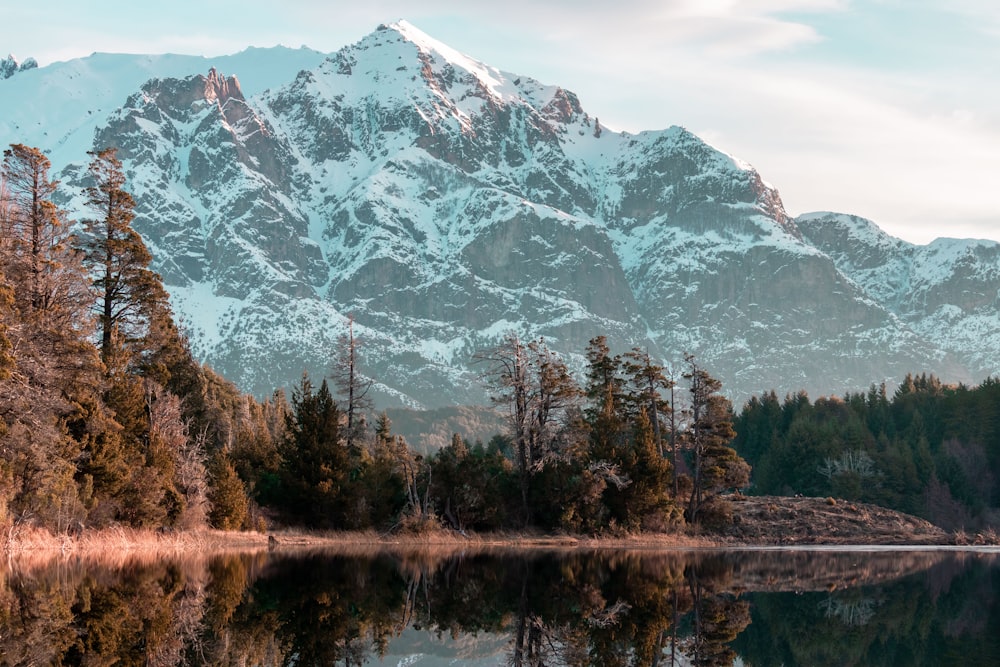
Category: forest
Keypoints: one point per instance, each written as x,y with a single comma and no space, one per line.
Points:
106,418
929,449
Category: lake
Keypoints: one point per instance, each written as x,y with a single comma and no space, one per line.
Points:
448,607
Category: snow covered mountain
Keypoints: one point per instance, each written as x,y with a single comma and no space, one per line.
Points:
948,291
442,203
11,66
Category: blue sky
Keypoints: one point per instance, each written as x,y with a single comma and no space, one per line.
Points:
889,109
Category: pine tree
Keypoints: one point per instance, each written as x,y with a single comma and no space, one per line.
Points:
605,384
227,496
716,466
129,294
51,368
553,396
139,345
648,504
315,461
646,382
33,225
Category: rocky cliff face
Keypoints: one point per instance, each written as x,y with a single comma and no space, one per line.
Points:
443,203
10,66
947,291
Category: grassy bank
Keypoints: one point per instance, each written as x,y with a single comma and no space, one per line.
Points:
23,541
757,521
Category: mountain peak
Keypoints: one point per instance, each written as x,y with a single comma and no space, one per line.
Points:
213,88
436,55
10,66
219,88
445,202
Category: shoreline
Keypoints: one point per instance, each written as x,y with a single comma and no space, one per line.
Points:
35,542
761,522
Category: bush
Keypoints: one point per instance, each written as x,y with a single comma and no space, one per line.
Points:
716,513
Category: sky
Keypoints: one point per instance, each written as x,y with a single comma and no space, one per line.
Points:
887,109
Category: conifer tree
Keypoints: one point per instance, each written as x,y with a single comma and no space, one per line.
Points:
716,466
605,384
52,369
227,496
315,461
140,347
33,225
129,294
648,494
647,382
553,396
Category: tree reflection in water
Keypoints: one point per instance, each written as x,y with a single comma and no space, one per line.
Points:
559,608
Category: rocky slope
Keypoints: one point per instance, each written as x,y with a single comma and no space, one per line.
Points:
11,66
443,203
947,291
786,521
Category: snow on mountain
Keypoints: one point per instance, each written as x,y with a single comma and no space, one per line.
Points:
59,107
11,66
947,291
442,203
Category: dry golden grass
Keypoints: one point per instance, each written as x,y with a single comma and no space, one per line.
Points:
761,521
24,541
30,540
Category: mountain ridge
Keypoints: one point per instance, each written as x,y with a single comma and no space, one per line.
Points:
442,202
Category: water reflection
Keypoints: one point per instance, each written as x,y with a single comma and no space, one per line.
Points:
521,609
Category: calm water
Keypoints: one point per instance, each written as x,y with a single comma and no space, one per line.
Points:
636,608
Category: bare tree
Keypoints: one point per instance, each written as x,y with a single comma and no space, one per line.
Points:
537,391
169,430
351,385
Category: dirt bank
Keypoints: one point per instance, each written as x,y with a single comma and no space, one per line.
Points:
779,520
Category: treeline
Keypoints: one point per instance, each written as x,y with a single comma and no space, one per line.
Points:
930,449
606,456
106,418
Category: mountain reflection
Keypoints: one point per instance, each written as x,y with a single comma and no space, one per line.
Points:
515,608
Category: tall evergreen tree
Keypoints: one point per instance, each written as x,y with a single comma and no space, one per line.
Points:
716,466
227,496
129,294
315,461
605,381
52,369
647,382
34,228
139,345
